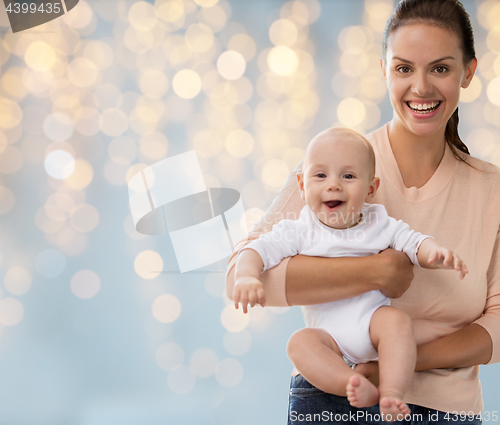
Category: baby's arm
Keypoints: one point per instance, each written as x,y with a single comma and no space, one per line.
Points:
432,255
248,288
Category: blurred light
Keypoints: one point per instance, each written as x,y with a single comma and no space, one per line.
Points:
372,115
237,343
243,44
153,83
266,113
378,13
234,320
199,37
282,60
166,308
82,72
50,263
10,113
17,281
170,10
33,118
107,96
84,218
231,65
11,160
11,311
7,199
122,150
81,177
71,242
100,53
59,164
40,56
283,32
176,109
169,356
239,143
214,16
355,39
181,380
87,121
58,127
12,83
229,372
206,3
472,92
251,217
214,284
274,173
59,206
291,114
115,173
36,82
85,284
254,194
371,87
354,63
47,224
113,122
81,19
488,13
186,84
493,91
203,362
142,16
207,143
148,264
351,112
154,145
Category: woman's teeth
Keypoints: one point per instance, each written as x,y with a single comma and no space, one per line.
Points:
423,107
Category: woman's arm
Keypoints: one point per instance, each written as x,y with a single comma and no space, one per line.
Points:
467,347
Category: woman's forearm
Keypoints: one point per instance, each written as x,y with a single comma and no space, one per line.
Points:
467,347
315,280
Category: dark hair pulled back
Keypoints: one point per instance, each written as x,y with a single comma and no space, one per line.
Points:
449,15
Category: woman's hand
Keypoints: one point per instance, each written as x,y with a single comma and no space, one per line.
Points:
370,371
393,271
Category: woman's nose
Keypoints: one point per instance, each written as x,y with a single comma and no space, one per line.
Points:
422,85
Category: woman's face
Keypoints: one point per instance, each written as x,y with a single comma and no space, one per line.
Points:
424,71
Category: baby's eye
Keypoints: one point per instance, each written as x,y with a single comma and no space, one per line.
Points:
349,176
321,175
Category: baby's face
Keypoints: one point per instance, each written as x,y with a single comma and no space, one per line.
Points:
337,179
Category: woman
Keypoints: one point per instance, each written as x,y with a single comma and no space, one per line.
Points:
428,180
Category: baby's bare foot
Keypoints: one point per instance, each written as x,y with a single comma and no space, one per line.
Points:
392,408
361,392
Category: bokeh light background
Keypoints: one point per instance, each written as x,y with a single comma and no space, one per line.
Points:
89,335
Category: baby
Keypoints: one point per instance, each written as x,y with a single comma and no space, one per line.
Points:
337,179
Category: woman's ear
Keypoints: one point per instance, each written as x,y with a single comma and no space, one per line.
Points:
382,67
469,73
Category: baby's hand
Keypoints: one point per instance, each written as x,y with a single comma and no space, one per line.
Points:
445,258
248,290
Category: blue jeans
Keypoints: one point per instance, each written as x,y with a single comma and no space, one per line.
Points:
308,405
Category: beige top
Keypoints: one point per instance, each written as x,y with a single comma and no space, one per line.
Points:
460,207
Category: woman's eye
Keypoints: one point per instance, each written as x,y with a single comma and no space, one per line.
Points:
440,69
404,69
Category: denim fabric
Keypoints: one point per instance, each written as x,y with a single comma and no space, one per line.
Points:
308,405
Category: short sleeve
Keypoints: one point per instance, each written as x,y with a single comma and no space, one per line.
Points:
490,320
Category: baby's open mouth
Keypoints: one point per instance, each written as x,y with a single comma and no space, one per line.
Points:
333,204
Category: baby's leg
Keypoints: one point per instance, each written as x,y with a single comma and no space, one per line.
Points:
317,357
392,335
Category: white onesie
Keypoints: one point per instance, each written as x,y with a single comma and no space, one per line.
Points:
347,321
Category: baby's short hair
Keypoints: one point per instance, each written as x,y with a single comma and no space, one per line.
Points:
345,132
